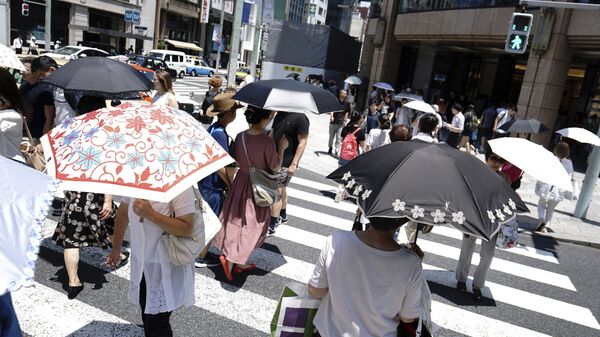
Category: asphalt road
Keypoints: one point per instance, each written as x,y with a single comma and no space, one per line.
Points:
543,288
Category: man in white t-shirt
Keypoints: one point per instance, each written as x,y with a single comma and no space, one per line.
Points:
370,285
18,45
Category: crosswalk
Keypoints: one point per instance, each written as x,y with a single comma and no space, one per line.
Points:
527,293
197,85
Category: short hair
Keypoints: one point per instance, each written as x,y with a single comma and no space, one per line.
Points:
230,90
400,133
457,106
562,150
513,107
386,224
43,63
28,59
215,81
384,122
428,122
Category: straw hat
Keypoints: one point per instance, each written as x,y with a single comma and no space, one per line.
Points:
223,103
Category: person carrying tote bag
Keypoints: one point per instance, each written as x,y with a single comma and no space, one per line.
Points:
245,221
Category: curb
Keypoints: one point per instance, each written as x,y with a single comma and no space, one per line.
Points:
561,238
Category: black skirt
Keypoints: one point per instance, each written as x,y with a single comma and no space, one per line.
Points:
453,139
79,224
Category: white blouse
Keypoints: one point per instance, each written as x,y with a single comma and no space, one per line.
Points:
11,133
168,287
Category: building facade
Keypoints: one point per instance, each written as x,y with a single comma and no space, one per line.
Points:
449,48
339,14
317,12
100,23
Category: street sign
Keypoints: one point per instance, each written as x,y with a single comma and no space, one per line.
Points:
132,16
25,9
519,29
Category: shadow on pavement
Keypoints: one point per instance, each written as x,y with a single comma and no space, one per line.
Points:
459,298
108,329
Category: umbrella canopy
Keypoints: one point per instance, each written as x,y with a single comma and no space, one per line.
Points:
384,86
430,183
407,96
132,150
24,202
533,159
290,96
524,126
353,80
420,106
8,59
581,135
100,76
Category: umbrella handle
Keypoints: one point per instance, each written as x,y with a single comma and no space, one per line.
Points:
141,220
417,234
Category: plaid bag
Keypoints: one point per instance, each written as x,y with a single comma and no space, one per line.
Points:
295,313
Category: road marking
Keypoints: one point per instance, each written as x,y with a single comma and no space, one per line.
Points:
43,311
505,266
523,250
453,318
321,200
312,184
301,271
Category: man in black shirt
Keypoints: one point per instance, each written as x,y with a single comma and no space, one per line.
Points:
336,123
295,128
38,97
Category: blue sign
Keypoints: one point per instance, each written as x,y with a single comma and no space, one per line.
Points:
132,16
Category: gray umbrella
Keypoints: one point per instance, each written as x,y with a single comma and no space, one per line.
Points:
407,96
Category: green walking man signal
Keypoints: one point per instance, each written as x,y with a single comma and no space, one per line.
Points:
518,33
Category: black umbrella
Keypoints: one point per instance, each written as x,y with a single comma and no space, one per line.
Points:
524,126
100,76
430,183
291,96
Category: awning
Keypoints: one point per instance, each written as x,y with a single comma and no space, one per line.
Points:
183,45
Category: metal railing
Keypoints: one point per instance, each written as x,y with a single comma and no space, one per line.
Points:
409,6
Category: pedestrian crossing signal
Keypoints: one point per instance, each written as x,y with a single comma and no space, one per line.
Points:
25,9
518,33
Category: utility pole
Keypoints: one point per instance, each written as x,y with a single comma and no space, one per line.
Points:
48,25
589,183
220,37
257,37
235,41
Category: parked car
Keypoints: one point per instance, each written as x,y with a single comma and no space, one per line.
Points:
197,66
148,65
175,59
74,52
240,74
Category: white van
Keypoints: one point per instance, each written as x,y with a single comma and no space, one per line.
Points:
174,59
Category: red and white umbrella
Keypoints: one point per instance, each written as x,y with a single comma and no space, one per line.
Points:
132,150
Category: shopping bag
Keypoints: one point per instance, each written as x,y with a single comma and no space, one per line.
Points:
295,313
508,236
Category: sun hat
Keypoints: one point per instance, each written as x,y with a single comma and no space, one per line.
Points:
223,103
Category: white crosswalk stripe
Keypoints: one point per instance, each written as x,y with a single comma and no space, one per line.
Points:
39,317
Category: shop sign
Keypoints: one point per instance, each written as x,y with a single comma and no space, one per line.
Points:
205,11
293,69
132,16
218,4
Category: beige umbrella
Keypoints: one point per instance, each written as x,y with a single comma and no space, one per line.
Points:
8,59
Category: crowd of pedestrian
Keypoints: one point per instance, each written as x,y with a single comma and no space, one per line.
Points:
274,142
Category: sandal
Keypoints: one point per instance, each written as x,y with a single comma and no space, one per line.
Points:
225,265
542,228
238,270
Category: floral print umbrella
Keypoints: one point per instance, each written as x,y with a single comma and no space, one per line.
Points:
132,150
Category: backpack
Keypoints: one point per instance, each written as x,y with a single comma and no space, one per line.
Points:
208,101
471,122
349,148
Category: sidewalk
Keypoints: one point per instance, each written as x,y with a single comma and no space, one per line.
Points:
566,227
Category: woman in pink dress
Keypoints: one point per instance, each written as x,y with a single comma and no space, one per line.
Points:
244,223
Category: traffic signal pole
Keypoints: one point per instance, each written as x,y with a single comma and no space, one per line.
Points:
257,37
235,41
593,170
48,25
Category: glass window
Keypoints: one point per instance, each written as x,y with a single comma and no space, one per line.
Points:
407,6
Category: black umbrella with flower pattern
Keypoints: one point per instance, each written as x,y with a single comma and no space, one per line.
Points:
432,184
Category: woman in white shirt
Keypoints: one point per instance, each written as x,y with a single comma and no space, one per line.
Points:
457,126
379,136
370,285
549,195
164,90
156,284
12,108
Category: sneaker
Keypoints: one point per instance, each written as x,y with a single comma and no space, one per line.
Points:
203,263
281,221
461,286
339,195
271,231
477,295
